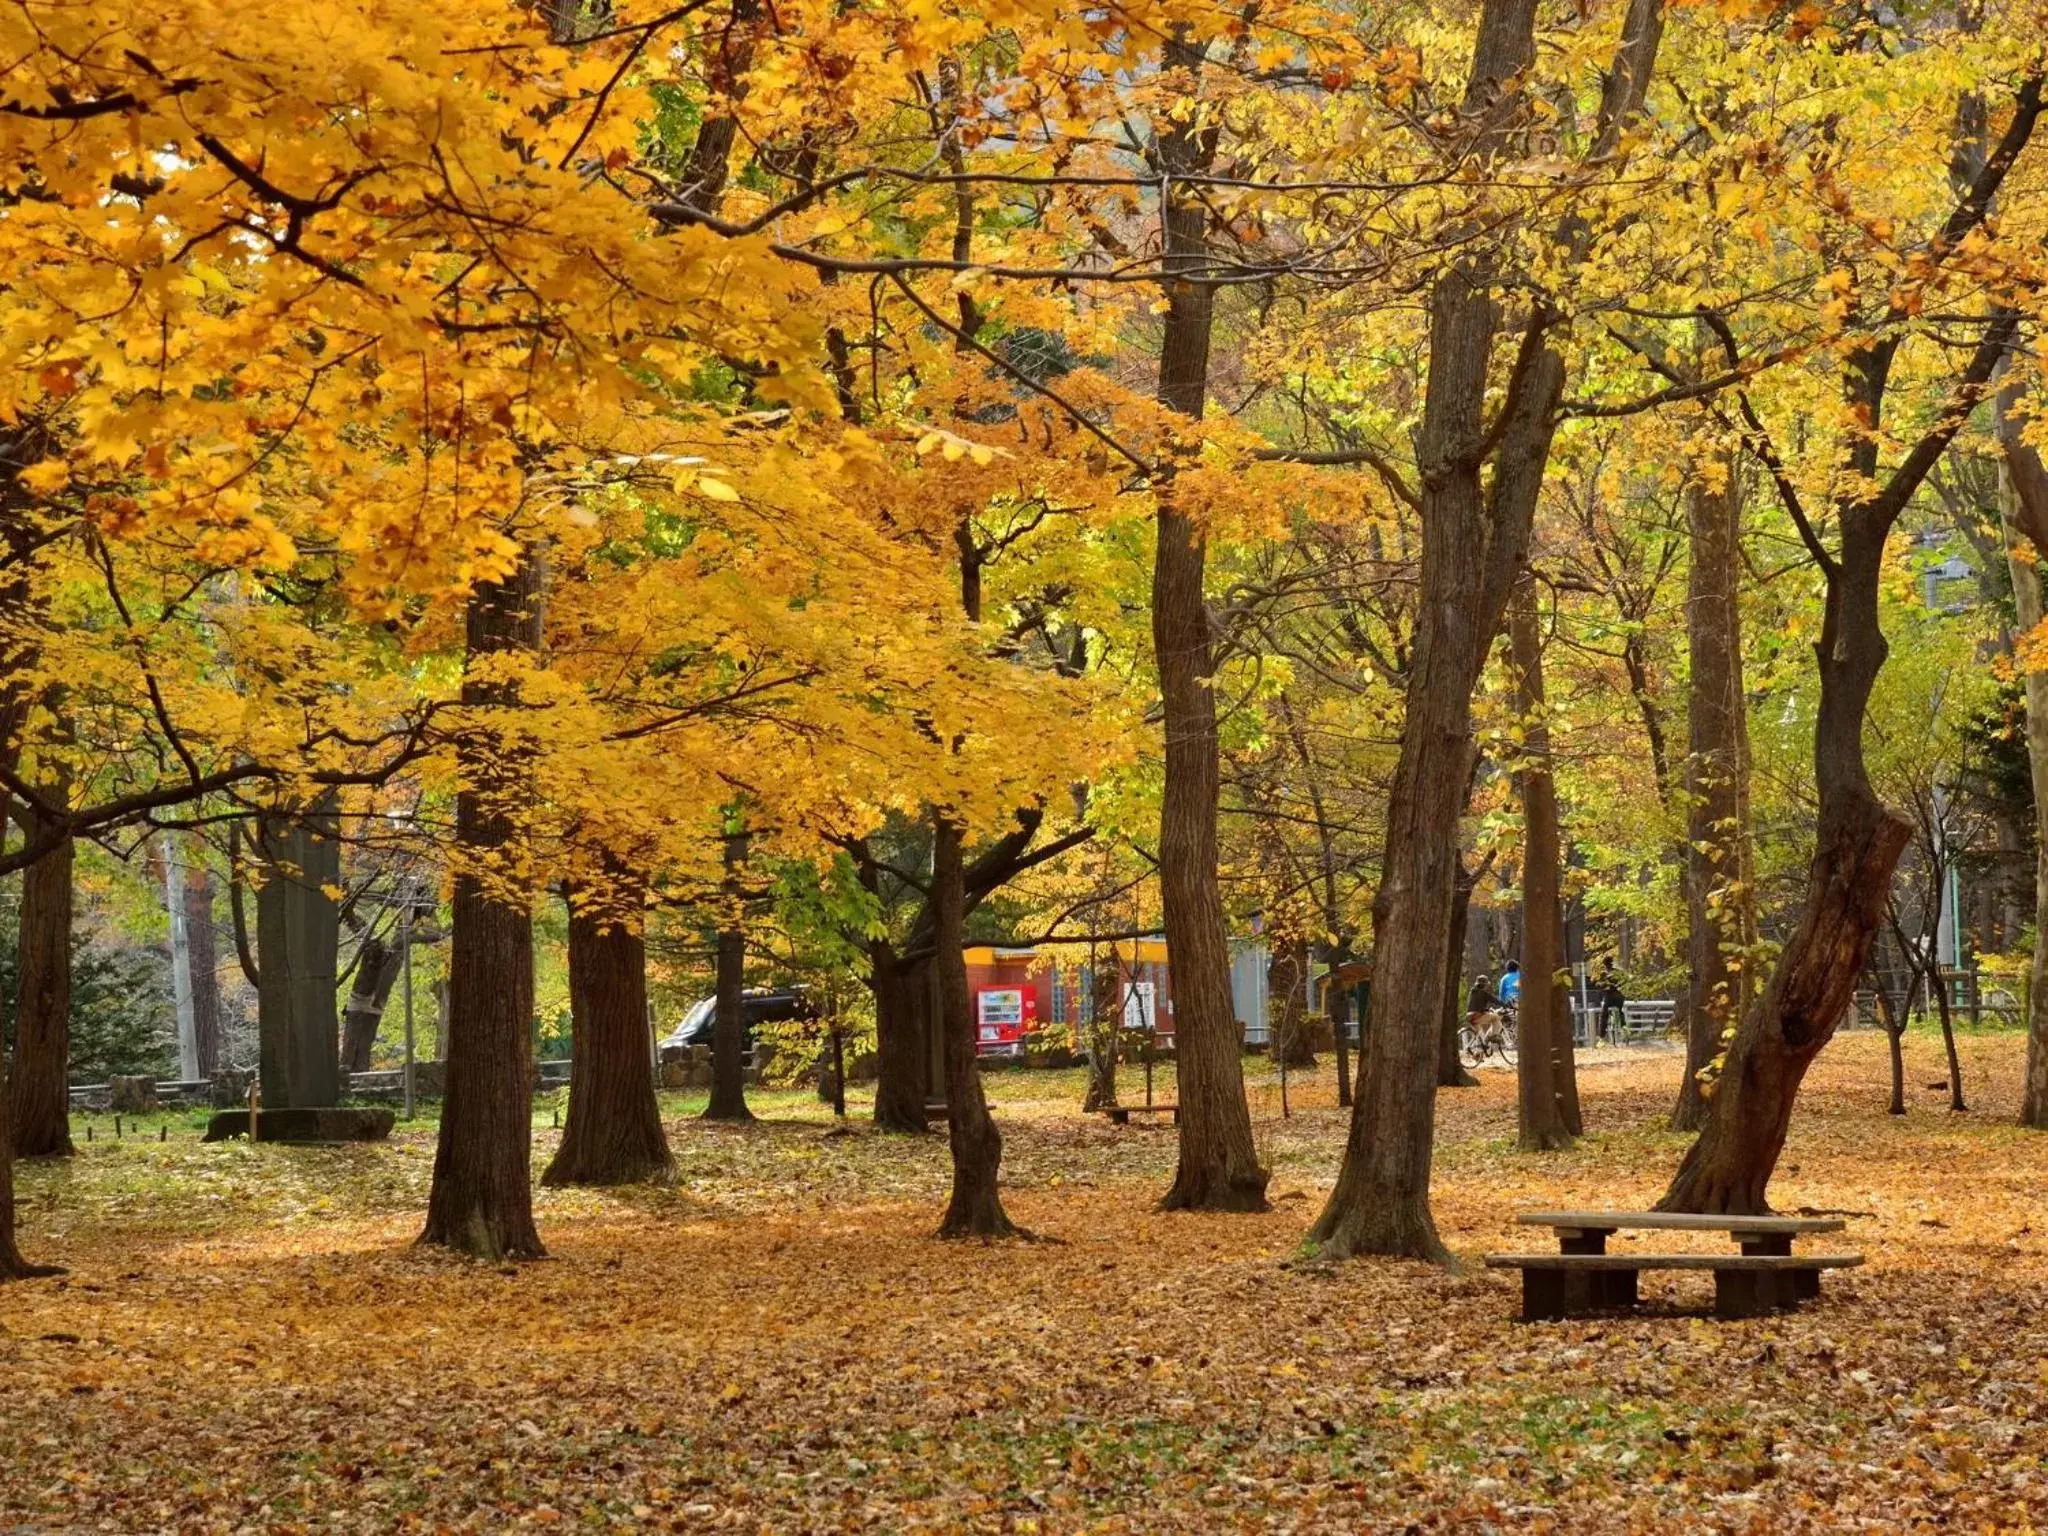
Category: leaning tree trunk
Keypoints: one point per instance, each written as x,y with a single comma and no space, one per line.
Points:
1848,885
729,1018
1719,870
202,952
481,1202
1956,1102
40,1086
1543,1048
976,1209
1219,1165
1381,1201
614,1134
378,963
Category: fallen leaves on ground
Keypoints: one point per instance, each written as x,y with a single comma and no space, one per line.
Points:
248,1341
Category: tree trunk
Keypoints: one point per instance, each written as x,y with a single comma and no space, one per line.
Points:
729,1018
1543,1059
481,1201
298,945
902,993
1956,1103
1381,1202
202,952
1450,1065
1858,846
40,1086
614,1134
976,1209
1287,980
1894,1035
1719,863
1339,998
2025,482
1479,480
1103,1035
1219,1165
377,966
163,858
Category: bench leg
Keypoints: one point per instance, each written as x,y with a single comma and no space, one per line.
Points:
1805,1284
1120,1116
1756,1292
1615,1287
1543,1295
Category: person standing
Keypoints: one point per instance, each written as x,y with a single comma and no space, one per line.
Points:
1611,1003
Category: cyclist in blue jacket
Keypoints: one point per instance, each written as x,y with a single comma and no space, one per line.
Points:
1510,989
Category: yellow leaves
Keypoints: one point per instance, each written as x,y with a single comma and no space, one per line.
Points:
951,447
46,477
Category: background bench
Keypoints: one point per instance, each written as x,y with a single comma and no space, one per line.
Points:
1582,1277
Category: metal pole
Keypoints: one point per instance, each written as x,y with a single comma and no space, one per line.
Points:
405,949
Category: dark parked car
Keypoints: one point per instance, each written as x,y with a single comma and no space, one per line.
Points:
757,1006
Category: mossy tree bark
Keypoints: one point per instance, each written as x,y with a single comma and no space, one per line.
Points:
1719,861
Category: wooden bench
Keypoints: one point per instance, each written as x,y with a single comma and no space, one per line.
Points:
1583,1277
1120,1114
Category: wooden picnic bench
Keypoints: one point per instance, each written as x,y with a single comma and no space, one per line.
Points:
1120,1114
1583,1277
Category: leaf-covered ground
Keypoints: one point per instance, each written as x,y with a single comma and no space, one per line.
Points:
247,1340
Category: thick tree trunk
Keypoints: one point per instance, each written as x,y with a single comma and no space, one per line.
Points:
976,1209
12,1265
729,1018
202,950
2025,505
1543,1057
902,1001
1719,864
1849,883
298,945
1381,1202
40,1085
1219,1165
377,965
614,1134
481,1201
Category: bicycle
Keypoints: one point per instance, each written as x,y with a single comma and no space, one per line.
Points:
1489,1034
